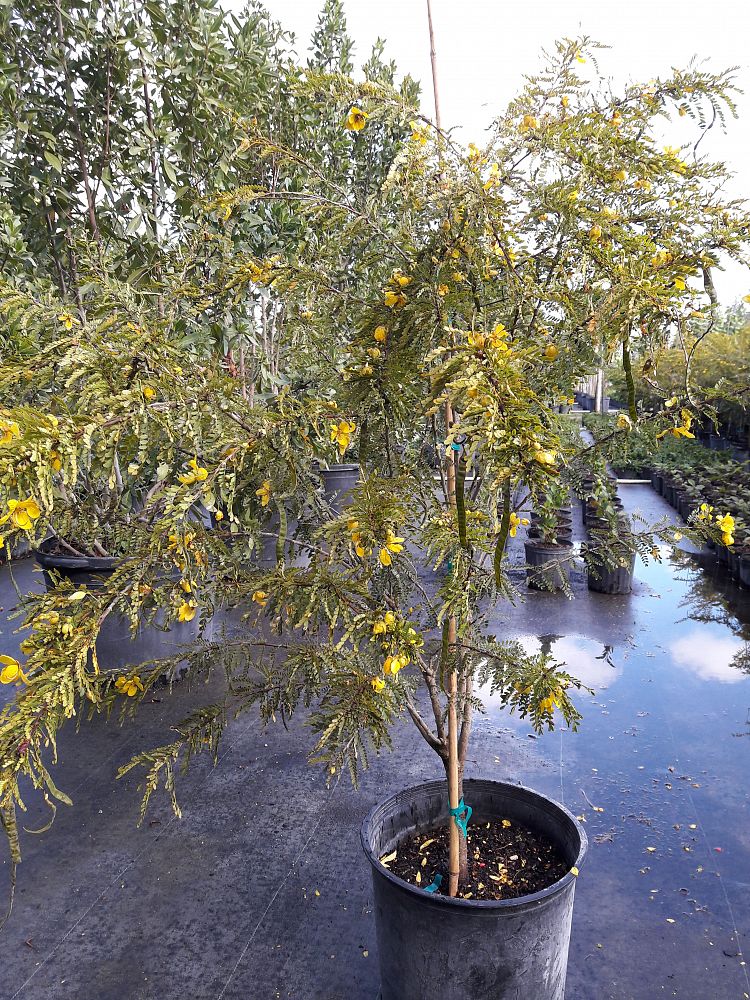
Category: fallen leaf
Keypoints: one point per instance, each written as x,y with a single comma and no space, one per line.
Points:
387,858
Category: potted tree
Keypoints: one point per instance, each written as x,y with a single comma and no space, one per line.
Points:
549,544
500,277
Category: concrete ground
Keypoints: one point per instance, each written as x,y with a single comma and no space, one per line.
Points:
261,891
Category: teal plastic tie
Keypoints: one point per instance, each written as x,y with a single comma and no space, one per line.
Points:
457,447
435,884
462,822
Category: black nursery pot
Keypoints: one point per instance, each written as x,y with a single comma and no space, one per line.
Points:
618,580
464,949
338,483
116,646
547,565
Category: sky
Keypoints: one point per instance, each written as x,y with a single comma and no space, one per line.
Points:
485,46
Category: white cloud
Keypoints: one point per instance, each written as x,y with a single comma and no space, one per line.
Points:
709,656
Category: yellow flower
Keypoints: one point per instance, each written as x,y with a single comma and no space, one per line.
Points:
393,544
198,474
677,536
68,320
186,586
379,628
679,284
356,120
129,686
378,684
528,122
393,664
389,618
620,175
55,460
545,457
727,538
149,392
595,233
385,557
564,101
394,300
380,334
616,119
219,515
401,279
671,402
8,432
550,352
580,57
260,597
443,290
11,670
186,611
375,353
341,434
624,423
493,179
515,521
705,512
548,704
22,513
725,524
264,493
418,134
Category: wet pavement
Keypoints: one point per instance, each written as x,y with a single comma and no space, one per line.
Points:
260,891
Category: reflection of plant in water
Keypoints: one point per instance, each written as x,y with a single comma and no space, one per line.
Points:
606,655
712,597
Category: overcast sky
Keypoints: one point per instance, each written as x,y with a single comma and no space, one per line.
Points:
485,46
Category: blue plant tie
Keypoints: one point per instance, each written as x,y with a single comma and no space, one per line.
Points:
457,447
435,884
461,821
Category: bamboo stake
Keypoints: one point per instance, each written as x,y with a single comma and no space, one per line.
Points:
454,859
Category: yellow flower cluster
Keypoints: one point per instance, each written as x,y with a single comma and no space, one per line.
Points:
129,686
393,544
679,430
263,493
197,474
356,536
725,523
516,522
8,431
496,339
187,611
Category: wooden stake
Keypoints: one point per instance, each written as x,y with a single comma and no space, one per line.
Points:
454,860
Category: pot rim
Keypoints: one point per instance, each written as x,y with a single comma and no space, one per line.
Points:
340,467
565,543
531,901
48,560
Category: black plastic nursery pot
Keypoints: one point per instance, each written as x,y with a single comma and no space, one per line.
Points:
744,570
657,482
463,949
338,482
605,580
547,565
116,646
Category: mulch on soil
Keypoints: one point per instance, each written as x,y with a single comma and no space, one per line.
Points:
506,860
